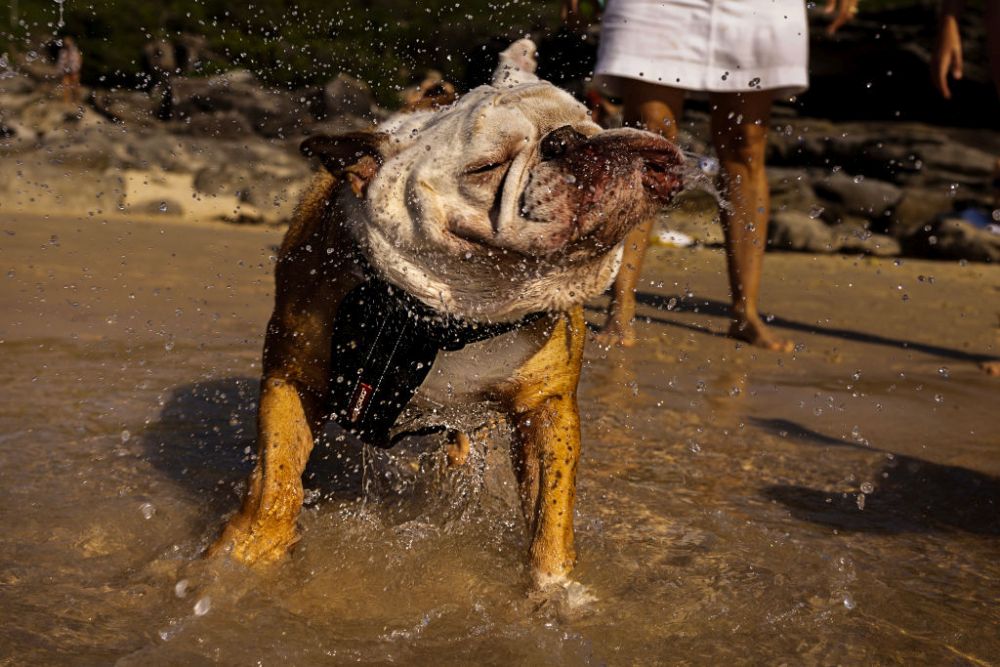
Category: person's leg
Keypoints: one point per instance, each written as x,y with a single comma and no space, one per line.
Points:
739,133
992,18
655,108
992,367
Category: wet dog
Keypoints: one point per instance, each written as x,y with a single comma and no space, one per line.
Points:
440,263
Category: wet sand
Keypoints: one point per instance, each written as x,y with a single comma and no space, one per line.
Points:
836,505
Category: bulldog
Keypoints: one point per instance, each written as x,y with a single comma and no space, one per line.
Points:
439,263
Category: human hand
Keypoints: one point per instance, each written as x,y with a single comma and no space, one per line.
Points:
947,58
843,11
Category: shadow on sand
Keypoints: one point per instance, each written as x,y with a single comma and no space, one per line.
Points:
204,440
681,304
910,495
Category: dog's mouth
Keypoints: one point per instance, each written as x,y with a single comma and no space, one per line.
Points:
661,176
598,187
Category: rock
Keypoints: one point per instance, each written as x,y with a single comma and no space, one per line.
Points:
852,238
346,95
220,125
790,190
32,185
959,162
126,107
918,207
866,197
953,238
794,230
271,113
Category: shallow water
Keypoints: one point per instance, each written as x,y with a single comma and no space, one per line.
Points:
833,506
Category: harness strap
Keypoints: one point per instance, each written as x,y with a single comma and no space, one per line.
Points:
384,343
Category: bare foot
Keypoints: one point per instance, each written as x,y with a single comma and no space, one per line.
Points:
755,332
614,332
991,367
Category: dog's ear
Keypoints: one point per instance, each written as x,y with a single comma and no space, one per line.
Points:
355,156
517,64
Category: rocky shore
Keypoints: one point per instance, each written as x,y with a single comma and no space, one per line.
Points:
225,147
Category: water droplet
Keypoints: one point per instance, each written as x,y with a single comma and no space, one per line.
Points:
163,207
672,303
754,82
126,435
169,345
859,178
816,211
848,601
867,487
147,510
943,372
202,606
856,375
939,398
181,588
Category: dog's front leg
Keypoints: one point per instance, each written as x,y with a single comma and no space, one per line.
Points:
546,449
265,527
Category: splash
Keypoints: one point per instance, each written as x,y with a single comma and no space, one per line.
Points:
700,173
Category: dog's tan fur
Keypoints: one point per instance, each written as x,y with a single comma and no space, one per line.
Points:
540,398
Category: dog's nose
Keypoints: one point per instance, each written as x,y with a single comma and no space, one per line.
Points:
559,141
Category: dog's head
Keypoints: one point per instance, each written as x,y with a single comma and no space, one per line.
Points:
511,200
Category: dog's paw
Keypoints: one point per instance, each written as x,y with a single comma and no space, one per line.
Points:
253,547
561,596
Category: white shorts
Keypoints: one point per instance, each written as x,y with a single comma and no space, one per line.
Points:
728,46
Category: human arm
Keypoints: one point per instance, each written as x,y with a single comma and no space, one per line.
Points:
947,56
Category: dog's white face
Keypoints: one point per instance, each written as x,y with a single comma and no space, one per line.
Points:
509,201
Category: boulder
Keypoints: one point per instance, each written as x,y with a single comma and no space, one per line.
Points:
346,95
218,125
791,190
795,230
953,238
866,197
127,107
918,207
852,238
271,113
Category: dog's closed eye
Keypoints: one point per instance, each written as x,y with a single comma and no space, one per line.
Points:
484,168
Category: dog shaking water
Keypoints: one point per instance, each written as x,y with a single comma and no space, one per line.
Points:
440,263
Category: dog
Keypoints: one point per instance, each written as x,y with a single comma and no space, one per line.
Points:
442,262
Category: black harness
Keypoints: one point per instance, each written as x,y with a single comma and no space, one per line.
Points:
384,344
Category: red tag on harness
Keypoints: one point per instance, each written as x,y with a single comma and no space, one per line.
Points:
362,394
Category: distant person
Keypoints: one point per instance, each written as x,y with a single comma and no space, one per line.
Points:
69,64
947,63
160,61
743,54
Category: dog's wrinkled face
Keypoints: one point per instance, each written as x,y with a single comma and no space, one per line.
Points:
509,201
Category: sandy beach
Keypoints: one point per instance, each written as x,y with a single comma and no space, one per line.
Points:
838,504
